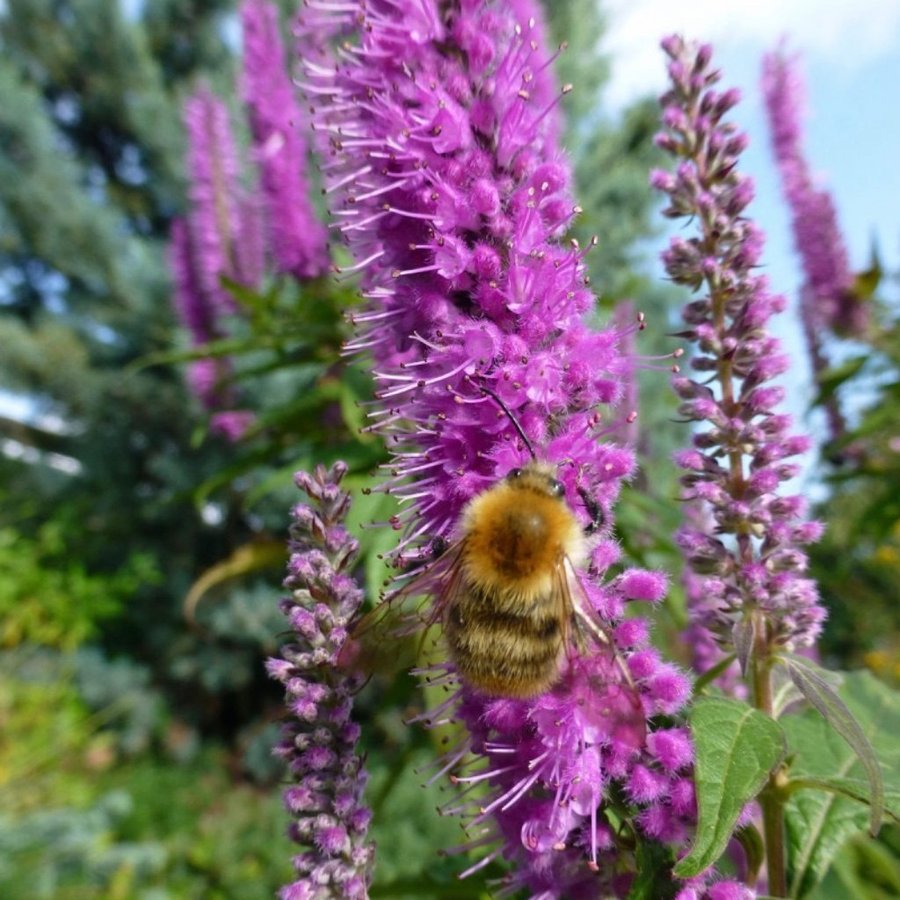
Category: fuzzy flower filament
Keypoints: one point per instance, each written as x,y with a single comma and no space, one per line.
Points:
437,124
319,739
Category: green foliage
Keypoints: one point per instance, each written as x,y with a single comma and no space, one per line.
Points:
151,830
857,562
47,596
863,869
820,821
44,722
654,879
736,748
412,839
825,700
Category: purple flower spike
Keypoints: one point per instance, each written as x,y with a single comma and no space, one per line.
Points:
828,299
213,172
299,240
745,552
319,740
438,124
222,235
191,302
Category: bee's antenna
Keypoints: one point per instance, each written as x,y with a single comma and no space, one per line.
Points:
512,418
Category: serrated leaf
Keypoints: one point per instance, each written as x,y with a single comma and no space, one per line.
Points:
819,822
736,747
864,869
858,789
826,700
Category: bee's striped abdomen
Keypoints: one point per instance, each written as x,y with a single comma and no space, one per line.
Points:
502,653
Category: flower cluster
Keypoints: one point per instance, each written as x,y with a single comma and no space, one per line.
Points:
319,740
438,125
233,232
298,240
829,300
224,221
220,236
755,579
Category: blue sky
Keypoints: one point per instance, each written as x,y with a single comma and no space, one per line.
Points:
850,52
851,58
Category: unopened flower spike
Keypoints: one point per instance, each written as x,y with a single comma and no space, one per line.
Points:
755,581
827,300
831,301
319,738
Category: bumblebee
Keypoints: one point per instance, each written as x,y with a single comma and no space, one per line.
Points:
506,593
508,608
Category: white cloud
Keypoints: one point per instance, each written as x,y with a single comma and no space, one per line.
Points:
848,33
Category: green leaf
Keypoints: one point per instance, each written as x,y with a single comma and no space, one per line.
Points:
368,510
819,822
823,697
832,379
744,635
864,869
866,282
654,867
736,748
259,555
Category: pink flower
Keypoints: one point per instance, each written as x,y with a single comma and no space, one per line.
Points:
438,126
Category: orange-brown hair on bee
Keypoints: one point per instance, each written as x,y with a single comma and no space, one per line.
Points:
507,619
506,593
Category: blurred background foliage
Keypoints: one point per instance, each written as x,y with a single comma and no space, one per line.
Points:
141,553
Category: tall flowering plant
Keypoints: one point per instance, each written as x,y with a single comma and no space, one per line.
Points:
220,237
318,744
740,458
437,125
828,301
238,228
296,239
744,545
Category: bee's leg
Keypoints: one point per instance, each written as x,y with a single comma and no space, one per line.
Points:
438,547
594,510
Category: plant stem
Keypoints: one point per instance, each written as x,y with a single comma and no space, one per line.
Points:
770,798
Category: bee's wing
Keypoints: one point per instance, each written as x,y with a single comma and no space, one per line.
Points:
586,620
618,698
374,645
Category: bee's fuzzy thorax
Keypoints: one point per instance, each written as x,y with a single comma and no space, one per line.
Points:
516,531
